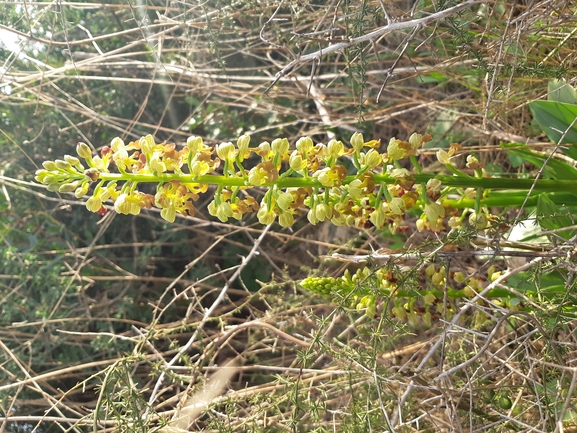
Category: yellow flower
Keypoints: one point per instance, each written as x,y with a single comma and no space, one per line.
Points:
256,176
93,204
195,145
378,217
224,211
371,159
296,161
323,176
444,156
355,189
286,219
168,214
156,164
128,204
284,200
397,205
455,222
415,140
199,168
473,163
434,211
398,173
264,215
394,150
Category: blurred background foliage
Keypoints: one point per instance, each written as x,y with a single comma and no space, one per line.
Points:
78,290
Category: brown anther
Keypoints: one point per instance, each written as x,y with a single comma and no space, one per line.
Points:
406,182
92,173
106,151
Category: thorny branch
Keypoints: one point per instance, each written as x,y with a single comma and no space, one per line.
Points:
389,28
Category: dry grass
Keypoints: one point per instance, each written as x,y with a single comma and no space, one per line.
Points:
219,69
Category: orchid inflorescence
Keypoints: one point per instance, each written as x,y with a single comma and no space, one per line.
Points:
357,186
375,191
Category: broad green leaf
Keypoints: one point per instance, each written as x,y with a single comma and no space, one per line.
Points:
555,168
555,118
552,217
561,91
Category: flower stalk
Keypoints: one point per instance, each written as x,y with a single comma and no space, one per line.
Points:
314,178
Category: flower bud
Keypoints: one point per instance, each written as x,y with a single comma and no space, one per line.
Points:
82,190
280,146
420,224
40,175
147,145
116,144
335,148
226,151
429,299
377,217
242,144
459,277
67,187
357,141
415,140
323,211
194,144
62,165
84,151
72,160
305,145
49,165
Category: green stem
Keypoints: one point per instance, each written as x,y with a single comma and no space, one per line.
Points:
510,199
295,182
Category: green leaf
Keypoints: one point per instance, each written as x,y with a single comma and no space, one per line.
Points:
555,118
552,217
555,168
561,91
